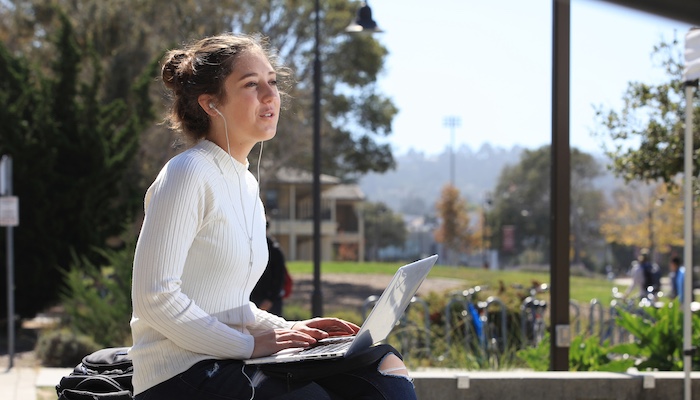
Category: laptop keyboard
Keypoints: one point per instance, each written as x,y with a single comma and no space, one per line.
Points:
329,345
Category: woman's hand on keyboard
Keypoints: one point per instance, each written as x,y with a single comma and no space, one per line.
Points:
321,328
273,340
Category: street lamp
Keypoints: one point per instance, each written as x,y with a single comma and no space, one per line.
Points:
485,243
452,122
364,22
656,203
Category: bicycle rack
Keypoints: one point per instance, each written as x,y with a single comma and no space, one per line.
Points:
369,301
464,298
595,305
531,311
577,314
372,300
617,333
426,320
504,320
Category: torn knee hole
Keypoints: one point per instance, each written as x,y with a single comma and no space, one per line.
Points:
392,365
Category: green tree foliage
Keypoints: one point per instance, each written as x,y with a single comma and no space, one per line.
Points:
354,113
648,132
522,199
128,34
72,153
73,125
382,228
648,216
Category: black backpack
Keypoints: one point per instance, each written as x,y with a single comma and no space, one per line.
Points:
104,374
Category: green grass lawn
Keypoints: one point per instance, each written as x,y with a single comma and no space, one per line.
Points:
581,289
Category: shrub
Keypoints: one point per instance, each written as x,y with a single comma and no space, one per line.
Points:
62,348
585,354
658,337
97,299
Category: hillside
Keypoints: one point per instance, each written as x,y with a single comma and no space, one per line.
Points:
414,186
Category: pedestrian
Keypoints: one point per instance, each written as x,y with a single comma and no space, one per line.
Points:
646,276
269,291
202,245
637,275
677,277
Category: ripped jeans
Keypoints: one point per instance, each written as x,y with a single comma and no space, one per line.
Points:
226,379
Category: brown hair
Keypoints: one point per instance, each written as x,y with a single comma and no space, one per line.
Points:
202,67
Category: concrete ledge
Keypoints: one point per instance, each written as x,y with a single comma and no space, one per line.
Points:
525,385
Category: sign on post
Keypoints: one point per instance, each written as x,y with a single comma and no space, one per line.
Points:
4,175
9,211
9,217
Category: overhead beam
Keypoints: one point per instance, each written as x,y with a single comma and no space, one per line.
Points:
682,10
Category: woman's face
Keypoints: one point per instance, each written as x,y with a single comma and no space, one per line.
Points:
252,102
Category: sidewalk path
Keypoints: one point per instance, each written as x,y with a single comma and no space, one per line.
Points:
21,383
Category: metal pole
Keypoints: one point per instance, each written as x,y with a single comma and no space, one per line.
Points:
483,237
688,242
485,240
316,296
651,232
560,187
7,178
452,122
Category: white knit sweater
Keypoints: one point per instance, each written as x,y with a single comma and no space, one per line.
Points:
192,268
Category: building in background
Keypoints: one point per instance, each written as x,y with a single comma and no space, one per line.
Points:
289,207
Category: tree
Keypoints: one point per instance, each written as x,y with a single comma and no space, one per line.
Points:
91,142
383,228
648,216
522,201
648,133
454,231
72,156
130,34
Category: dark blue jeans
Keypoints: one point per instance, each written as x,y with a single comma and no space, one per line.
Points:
224,379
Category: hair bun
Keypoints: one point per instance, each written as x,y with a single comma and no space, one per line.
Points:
176,68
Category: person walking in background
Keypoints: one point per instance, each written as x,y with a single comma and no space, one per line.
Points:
637,275
269,290
677,277
646,276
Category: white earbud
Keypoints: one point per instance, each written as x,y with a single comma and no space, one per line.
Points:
213,107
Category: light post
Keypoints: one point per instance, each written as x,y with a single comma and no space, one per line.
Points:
485,243
656,203
364,22
452,122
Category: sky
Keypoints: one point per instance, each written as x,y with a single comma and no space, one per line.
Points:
489,64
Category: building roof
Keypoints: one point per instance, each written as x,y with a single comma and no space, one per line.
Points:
344,192
293,175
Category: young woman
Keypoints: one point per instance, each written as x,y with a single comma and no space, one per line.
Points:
202,246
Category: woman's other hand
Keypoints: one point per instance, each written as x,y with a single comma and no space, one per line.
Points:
320,328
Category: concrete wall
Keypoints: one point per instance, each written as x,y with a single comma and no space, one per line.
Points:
525,385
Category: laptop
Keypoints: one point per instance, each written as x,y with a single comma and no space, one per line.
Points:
384,316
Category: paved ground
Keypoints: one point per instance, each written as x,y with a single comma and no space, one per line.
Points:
25,383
